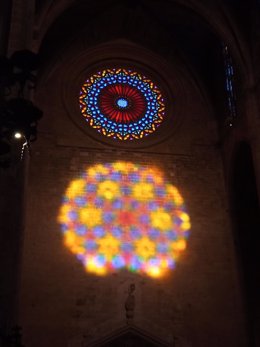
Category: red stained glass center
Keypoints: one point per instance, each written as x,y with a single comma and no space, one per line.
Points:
130,110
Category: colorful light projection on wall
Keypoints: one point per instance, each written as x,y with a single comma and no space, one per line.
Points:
122,104
124,216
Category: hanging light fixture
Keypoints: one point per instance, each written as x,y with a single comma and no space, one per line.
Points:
18,115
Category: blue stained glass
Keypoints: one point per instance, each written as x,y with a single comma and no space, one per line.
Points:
229,75
138,127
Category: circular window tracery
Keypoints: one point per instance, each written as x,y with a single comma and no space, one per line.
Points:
122,104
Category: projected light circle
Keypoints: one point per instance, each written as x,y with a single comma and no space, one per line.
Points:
124,216
122,104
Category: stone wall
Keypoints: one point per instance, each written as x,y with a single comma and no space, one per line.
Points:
198,304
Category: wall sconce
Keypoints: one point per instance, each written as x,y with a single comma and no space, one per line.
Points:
18,115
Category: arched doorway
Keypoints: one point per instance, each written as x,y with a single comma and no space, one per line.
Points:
128,336
246,222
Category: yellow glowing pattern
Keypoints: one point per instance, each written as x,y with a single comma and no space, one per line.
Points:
124,216
143,191
90,216
161,220
108,190
145,248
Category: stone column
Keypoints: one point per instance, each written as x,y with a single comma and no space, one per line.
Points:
11,231
21,25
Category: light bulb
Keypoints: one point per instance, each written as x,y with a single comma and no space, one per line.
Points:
18,135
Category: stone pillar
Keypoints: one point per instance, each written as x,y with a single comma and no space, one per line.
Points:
11,230
22,25
5,15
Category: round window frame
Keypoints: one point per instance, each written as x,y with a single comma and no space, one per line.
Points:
143,133
165,80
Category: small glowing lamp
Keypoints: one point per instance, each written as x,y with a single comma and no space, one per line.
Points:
18,135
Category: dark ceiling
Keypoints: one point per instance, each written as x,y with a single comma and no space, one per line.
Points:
164,27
